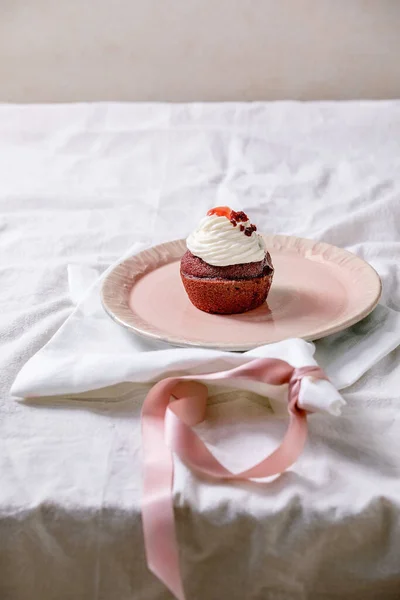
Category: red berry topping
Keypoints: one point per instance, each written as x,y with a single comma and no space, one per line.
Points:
234,217
249,230
239,216
220,211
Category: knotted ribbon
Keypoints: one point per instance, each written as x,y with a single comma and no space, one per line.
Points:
166,428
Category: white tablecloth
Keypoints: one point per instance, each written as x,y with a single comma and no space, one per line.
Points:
79,184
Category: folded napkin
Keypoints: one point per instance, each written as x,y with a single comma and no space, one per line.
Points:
91,352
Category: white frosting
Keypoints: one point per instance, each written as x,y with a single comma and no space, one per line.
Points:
219,243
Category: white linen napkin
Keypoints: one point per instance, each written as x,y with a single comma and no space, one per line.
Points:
91,352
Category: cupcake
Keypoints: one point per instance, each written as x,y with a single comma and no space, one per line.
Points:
226,269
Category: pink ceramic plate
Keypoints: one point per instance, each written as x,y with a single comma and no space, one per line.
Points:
318,289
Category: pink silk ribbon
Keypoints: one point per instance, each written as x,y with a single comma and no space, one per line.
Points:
166,428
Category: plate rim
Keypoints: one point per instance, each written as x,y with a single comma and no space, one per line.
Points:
276,241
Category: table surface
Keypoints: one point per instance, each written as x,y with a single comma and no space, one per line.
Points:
79,184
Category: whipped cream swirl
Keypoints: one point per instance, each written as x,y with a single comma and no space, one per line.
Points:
219,243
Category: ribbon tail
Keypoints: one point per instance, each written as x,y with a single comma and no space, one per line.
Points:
158,519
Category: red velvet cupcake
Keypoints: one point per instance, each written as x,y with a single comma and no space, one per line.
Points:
226,269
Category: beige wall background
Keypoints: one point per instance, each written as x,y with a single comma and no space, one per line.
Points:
184,50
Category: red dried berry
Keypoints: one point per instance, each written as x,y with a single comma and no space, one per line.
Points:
239,216
249,230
